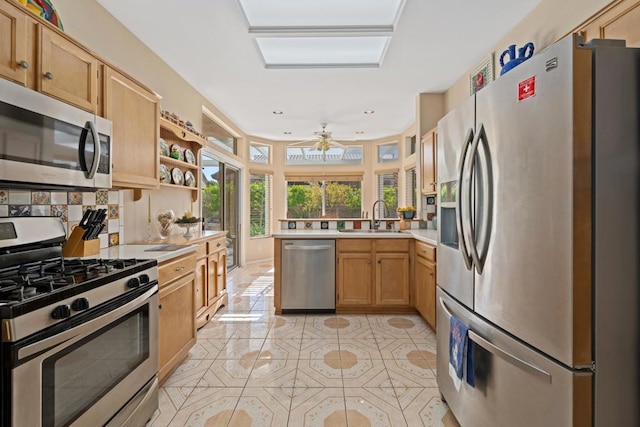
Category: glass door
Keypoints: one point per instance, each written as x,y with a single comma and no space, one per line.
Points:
220,206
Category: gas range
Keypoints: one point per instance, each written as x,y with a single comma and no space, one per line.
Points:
78,336
38,292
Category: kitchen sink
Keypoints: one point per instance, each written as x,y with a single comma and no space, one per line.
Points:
371,231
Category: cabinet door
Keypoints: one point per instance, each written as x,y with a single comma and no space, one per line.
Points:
425,284
201,286
176,323
135,113
221,281
67,71
430,297
212,278
392,279
354,279
429,176
13,44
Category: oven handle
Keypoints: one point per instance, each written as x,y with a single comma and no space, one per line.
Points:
90,326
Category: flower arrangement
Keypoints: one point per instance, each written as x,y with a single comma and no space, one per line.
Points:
407,209
407,212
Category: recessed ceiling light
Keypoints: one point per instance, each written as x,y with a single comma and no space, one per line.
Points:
369,111
277,112
287,133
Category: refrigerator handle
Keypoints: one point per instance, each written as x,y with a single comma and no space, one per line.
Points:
485,197
486,169
459,214
508,357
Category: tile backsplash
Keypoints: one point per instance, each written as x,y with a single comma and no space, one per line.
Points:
69,207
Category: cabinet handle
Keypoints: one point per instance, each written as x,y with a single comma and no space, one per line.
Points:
379,262
48,75
180,268
23,64
218,245
160,307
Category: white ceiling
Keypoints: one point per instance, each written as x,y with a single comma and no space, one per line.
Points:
433,43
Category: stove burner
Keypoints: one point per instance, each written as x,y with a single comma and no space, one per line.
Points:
29,280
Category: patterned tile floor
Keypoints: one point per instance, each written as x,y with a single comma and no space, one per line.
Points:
253,368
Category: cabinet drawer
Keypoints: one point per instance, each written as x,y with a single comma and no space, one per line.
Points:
175,268
392,245
201,252
354,245
216,245
426,251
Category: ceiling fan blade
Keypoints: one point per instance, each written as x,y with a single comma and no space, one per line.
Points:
306,141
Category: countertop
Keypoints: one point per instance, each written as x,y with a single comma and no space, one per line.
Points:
141,250
427,236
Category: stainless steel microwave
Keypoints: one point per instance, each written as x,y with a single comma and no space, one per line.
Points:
47,144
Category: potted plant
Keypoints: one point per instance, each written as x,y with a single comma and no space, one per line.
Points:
407,212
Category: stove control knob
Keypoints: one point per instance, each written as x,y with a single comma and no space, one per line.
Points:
134,282
144,278
80,304
61,312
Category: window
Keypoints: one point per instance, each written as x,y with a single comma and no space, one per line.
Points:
218,135
388,192
410,145
316,198
411,190
259,153
260,205
387,152
352,155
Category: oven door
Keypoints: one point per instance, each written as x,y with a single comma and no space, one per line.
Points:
87,371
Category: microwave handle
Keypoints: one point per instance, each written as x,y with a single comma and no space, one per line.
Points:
91,127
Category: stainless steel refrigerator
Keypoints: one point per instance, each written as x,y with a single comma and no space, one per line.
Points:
539,232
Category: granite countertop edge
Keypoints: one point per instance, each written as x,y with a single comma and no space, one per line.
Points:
427,236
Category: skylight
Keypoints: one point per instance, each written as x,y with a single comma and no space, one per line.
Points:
322,33
322,51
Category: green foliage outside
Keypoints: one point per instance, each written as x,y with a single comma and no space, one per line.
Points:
342,200
390,198
257,194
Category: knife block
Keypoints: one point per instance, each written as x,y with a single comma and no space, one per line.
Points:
76,247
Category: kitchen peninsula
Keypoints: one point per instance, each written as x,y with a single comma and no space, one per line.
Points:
375,271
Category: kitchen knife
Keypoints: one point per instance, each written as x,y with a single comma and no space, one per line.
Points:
85,218
89,223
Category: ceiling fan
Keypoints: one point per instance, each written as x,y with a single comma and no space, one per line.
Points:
322,142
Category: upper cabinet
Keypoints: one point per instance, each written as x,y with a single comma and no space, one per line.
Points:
14,59
67,71
135,113
428,162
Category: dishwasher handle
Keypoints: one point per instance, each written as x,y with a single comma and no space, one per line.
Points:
288,247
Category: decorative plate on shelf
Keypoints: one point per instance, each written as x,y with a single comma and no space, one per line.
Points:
164,148
189,179
176,152
177,176
165,176
189,156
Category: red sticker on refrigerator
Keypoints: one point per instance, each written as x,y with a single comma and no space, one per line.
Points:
527,88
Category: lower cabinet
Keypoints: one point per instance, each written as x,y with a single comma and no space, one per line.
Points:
425,282
373,274
211,279
176,321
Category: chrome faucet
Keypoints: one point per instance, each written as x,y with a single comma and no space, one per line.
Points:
376,224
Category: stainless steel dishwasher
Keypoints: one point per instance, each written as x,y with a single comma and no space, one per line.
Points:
308,276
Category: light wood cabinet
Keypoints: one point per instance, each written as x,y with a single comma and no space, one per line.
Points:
67,72
373,275
211,279
176,320
135,113
428,162
392,279
174,135
425,282
14,59
37,56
